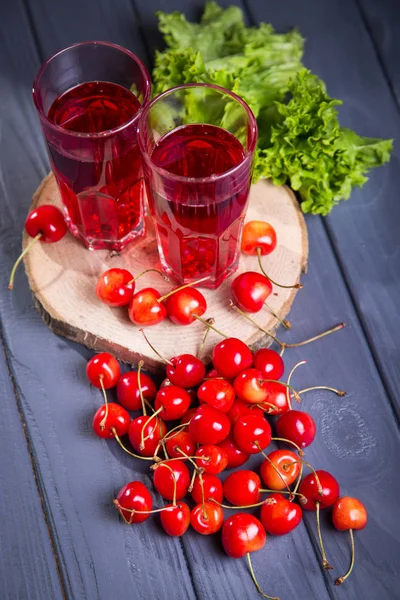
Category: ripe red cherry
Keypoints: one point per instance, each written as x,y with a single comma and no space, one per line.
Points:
128,389
242,533
164,475
258,234
132,497
174,400
252,433
296,426
213,459
310,490
349,513
207,519
107,419
279,516
182,441
156,430
281,470
213,374
45,223
242,488
187,417
103,368
184,304
175,519
186,371
231,356
250,388
236,456
48,221
277,402
115,287
209,425
250,291
217,393
240,408
270,363
212,488
144,308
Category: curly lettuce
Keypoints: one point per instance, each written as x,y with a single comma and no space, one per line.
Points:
301,142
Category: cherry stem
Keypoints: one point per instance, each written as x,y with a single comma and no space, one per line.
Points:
209,325
175,430
143,438
316,337
284,345
296,286
205,516
118,439
325,562
31,243
324,387
296,487
191,458
271,407
267,458
163,464
209,322
182,287
284,322
149,271
104,419
139,368
279,439
168,362
191,484
304,462
256,582
289,493
297,396
340,580
133,511
286,385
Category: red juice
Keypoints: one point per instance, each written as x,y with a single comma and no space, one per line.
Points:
100,176
199,221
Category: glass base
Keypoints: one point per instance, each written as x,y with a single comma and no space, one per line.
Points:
105,244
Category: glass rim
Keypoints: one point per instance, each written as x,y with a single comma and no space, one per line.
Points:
100,134
211,178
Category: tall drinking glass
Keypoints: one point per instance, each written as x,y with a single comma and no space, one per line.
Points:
197,143
89,98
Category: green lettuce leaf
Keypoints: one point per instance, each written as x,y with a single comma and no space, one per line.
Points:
311,152
300,140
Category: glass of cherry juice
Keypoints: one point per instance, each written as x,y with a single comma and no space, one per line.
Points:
197,142
89,98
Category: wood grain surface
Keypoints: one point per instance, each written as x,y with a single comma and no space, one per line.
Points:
63,279
353,276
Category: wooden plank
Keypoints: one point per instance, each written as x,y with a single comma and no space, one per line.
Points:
382,21
351,435
98,557
28,566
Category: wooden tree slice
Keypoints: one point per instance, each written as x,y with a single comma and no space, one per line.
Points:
63,276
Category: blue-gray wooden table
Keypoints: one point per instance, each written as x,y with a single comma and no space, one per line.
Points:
59,534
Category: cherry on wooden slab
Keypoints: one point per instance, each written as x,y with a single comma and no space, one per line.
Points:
63,278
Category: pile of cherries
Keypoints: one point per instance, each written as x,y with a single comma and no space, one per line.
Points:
218,419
